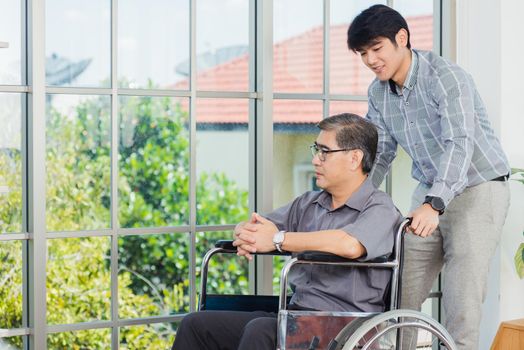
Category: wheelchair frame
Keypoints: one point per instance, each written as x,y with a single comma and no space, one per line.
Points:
354,333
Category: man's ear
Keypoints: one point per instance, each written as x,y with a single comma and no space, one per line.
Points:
402,37
356,159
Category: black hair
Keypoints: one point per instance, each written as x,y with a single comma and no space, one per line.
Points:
378,21
354,132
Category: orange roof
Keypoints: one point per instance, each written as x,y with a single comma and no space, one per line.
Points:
297,68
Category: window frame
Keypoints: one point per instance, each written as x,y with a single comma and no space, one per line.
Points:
260,97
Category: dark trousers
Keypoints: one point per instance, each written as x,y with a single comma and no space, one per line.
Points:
227,330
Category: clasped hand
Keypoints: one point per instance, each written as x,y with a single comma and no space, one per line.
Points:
255,235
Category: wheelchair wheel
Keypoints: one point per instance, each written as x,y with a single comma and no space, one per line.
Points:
400,330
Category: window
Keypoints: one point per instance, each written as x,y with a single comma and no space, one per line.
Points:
13,221
154,140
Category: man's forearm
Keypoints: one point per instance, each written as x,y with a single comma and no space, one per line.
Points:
336,242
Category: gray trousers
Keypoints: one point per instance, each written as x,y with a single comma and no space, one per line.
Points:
462,247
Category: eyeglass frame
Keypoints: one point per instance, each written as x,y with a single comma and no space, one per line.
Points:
322,153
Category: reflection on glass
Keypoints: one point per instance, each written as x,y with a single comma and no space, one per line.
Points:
222,45
11,288
222,161
78,162
153,276
87,339
11,33
78,43
294,130
78,280
227,273
298,56
10,162
148,337
347,73
153,162
154,54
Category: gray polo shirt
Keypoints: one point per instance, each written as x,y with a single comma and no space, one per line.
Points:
368,215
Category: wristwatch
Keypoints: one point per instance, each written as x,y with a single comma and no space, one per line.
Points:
436,203
278,239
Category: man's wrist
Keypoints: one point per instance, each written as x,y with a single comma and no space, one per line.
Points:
436,203
278,240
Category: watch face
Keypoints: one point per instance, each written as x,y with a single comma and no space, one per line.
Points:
278,237
437,203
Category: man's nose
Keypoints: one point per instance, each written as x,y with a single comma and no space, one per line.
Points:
316,160
371,58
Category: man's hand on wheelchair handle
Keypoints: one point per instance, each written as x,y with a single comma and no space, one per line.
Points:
425,221
254,236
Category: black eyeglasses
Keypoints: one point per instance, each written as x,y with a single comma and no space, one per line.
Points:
322,152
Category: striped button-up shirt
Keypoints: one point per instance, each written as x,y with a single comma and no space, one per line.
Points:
440,120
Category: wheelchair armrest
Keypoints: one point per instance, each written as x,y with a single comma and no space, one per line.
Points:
311,255
228,245
225,244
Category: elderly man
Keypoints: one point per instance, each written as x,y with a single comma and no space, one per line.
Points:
349,218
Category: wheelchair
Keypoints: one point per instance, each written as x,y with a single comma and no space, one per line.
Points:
300,329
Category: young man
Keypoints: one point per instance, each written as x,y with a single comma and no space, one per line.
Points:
349,217
431,107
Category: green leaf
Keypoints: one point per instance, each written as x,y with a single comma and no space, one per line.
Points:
519,261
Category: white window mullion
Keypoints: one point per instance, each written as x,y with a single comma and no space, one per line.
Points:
36,175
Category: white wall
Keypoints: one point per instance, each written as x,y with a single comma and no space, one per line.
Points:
512,136
489,36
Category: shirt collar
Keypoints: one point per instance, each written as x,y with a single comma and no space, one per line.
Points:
411,78
357,200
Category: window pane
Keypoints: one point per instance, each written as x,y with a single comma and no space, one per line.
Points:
87,339
154,54
222,45
227,273
11,287
78,162
78,43
356,107
153,275
419,15
78,280
348,75
298,57
148,337
222,161
11,162
294,128
12,343
11,33
153,162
